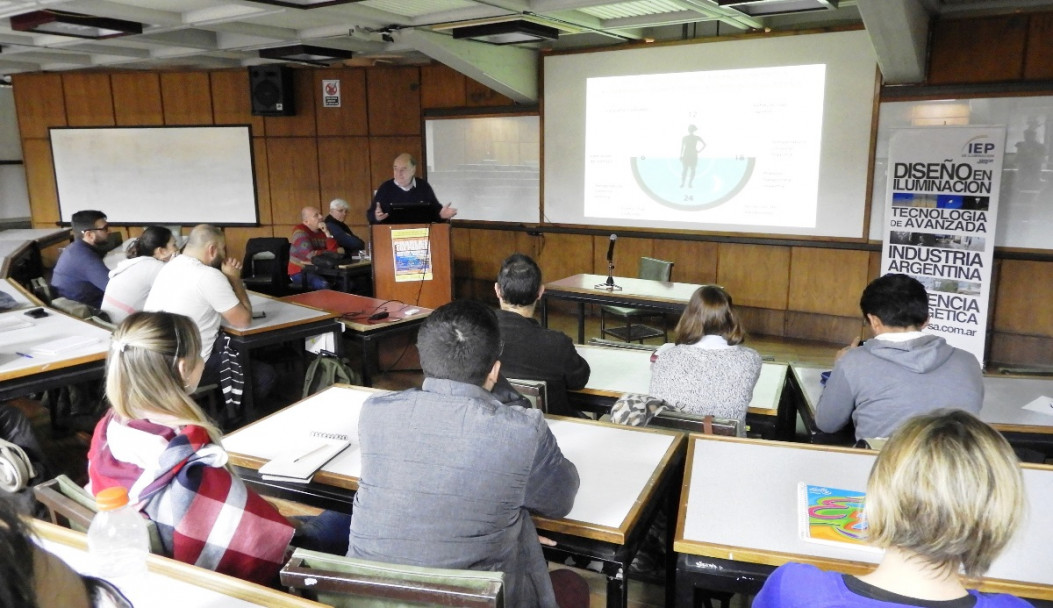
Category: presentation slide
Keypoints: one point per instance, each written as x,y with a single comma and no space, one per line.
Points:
727,146
765,135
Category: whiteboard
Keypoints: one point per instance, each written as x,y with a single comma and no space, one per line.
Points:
488,168
1025,216
157,175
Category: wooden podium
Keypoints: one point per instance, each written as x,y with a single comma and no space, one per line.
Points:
412,263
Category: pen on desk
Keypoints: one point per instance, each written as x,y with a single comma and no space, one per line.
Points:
26,355
311,453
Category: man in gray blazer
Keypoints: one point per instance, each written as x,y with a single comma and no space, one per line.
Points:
450,475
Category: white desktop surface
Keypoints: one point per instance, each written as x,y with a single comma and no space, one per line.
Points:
627,370
279,314
1004,399
742,496
334,410
617,465
191,587
52,327
32,234
8,286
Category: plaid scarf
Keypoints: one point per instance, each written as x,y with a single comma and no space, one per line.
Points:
205,515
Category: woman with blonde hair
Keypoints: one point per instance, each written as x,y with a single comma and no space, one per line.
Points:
944,497
157,443
707,371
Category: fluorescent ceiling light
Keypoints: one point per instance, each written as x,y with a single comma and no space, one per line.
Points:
507,32
305,3
305,53
76,25
763,8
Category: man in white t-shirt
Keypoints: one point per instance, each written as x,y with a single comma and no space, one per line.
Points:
205,285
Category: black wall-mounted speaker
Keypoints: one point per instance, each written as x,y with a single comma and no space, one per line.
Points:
271,90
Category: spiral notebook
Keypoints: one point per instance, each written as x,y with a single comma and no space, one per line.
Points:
300,464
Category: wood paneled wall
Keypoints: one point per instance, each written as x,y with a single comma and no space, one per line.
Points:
324,153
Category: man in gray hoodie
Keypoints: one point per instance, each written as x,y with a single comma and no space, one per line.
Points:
901,372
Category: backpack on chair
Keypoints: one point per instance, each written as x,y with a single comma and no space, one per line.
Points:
326,370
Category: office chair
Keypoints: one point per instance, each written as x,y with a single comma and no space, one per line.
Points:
634,330
346,581
266,265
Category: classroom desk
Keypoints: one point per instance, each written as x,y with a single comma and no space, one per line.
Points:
21,375
1004,398
43,237
738,518
666,297
14,251
13,289
624,370
625,474
345,274
353,312
284,322
168,583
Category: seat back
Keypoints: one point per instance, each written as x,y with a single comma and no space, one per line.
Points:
346,581
655,270
536,392
71,506
68,504
693,423
266,265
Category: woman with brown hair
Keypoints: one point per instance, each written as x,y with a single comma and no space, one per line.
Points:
707,371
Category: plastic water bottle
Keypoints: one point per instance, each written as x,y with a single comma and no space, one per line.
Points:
117,538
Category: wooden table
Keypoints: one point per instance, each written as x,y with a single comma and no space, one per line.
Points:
284,322
1004,398
353,312
169,583
24,370
628,370
625,474
660,296
738,518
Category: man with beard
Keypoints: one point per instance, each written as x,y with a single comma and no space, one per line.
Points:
205,285
80,274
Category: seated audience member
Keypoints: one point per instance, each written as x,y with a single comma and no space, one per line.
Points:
426,499
945,496
309,238
205,285
157,443
405,189
901,372
131,281
531,351
338,209
80,273
707,371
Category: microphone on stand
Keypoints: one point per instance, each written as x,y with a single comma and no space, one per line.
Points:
609,283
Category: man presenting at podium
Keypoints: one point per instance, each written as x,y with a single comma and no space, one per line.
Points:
407,199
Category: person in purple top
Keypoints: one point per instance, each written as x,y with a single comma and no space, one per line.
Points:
944,498
80,274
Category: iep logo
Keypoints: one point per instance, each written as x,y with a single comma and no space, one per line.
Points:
979,147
